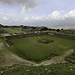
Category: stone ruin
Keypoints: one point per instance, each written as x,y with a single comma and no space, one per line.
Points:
8,43
45,41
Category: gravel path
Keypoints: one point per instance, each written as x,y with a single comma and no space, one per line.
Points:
1,44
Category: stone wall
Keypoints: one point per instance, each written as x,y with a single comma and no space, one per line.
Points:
26,35
65,36
8,43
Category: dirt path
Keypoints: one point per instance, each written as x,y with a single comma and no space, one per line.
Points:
1,44
57,59
7,58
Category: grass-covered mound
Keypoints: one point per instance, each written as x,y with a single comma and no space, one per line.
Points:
30,49
55,69
13,30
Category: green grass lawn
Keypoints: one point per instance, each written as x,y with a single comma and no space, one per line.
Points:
13,30
30,49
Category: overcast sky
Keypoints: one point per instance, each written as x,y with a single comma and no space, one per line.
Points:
37,12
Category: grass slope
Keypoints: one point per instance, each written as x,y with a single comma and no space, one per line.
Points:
54,69
13,30
30,49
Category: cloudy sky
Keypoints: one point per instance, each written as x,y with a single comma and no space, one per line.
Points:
37,12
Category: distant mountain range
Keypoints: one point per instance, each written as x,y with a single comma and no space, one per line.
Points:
63,27
52,26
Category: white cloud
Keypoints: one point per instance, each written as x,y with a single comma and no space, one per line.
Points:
26,18
53,19
5,18
71,13
29,4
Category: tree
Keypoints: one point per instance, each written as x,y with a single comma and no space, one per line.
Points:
1,25
62,29
58,30
43,28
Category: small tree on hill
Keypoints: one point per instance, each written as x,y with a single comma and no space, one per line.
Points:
58,30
